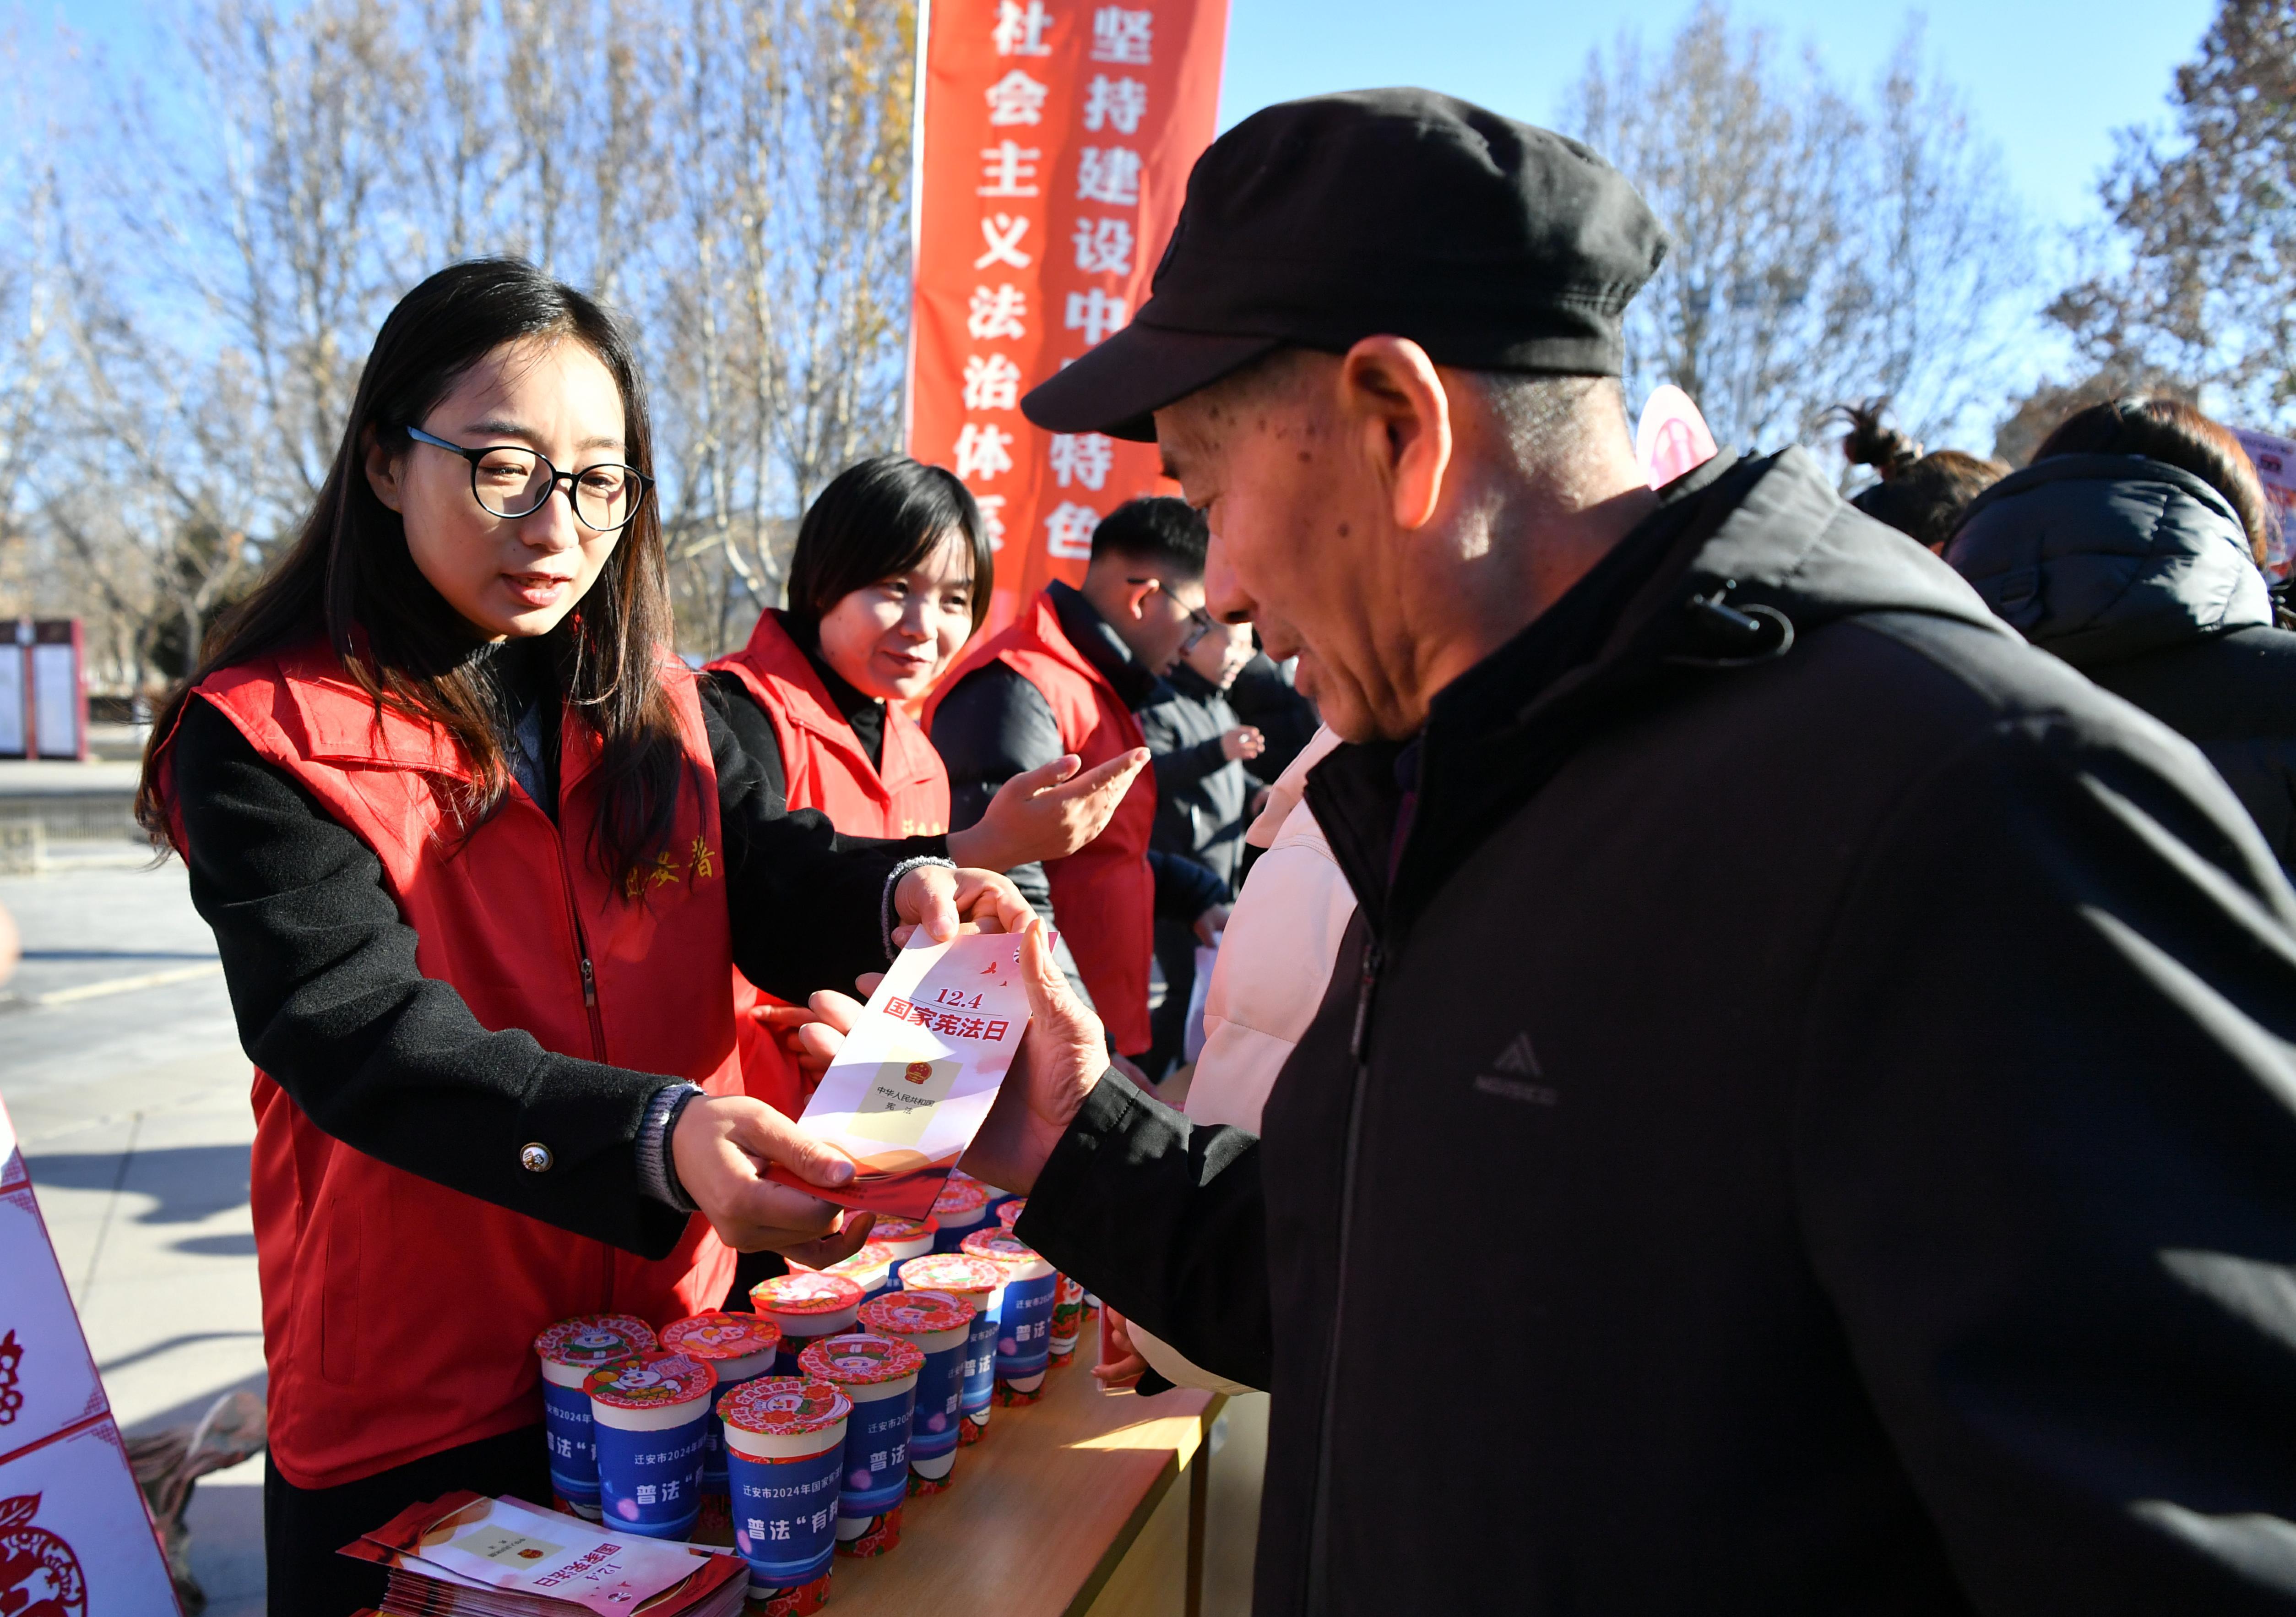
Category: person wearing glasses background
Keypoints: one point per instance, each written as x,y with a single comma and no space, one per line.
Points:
1065,677
480,854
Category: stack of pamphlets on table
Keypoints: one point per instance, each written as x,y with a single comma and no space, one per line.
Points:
499,1558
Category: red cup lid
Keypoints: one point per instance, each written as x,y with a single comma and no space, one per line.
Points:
1011,1211
889,1228
1000,1246
951,1272
859,1359
784,1406
961,1196
717,1335
589,1340
872,1255
805,1292
916,1313
650,1380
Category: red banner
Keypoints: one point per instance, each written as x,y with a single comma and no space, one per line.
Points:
1054,141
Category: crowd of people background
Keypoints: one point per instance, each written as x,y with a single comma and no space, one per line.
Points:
1609,1000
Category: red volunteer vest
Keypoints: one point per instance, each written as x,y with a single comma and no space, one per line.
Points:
825,768
1104,893
399,1316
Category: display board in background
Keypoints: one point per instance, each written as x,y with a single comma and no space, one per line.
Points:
74,1535
42,689
2274,459
1054,143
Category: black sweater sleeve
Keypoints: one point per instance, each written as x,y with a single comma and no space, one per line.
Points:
752,730
330,1003
806,904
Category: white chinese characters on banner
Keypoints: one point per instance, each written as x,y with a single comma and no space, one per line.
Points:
1068,531
1056,138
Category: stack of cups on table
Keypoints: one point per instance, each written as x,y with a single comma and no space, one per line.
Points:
570,1350
1070,1310
650,1415
1024,1320
804,1307
962,1207
785,1458
879,1374
981,1283
905,1238
740,1348
936,1324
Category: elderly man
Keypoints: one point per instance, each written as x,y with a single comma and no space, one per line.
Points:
1804,1120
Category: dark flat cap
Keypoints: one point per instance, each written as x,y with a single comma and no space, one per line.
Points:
1492,244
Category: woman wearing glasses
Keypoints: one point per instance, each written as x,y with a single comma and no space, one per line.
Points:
480,855
890,577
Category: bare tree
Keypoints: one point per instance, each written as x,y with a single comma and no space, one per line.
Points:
1822,250
732,176
2196,274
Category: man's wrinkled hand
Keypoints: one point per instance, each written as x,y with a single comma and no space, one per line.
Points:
1062,1057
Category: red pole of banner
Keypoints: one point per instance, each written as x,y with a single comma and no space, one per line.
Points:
1054,143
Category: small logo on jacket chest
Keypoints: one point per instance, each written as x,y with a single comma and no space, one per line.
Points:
1516,1074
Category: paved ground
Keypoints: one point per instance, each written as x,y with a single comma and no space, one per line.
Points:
121,1069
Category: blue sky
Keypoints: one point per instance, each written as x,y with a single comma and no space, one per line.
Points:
2048,79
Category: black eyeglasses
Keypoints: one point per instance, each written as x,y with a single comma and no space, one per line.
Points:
510,480
1200,622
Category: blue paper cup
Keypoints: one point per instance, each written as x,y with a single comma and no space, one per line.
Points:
879,1374
981,1283
1024,1324
740,1347
805,1305
568,1351
652,1418
784,1453
936,1324
904,1238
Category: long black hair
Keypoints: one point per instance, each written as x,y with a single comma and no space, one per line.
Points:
877,519
348,575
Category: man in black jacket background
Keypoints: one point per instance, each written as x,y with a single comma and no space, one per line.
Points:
1803,1120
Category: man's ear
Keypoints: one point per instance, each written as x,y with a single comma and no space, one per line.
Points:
1135,597
1391,395
382,472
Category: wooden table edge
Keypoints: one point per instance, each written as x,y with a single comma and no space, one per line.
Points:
1129,1533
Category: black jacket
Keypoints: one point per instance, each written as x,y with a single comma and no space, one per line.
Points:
994,725
1807,1129
2139,575
1265,698
330,1001
1201,793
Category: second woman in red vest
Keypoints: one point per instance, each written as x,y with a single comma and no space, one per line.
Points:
890,578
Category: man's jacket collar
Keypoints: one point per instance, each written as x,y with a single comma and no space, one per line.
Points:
1096,642
1742,559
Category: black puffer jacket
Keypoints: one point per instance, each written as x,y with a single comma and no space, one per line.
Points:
2138,574
1804,1132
